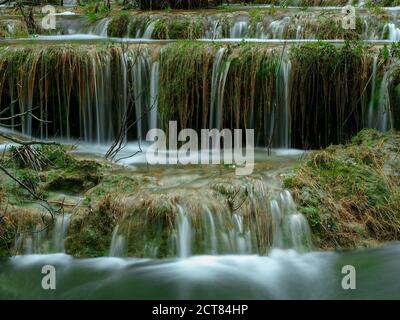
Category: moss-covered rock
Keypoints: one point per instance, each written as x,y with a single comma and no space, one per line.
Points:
351,194
78,177
118,26
13,29
90,231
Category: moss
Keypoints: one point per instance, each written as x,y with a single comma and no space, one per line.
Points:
13,29
80,176
350,193
117,183
160,30
15,222
118,26
95,11
90,231
185,28
138,25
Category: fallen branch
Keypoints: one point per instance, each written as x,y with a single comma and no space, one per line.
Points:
28,143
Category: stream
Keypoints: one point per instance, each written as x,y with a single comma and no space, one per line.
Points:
283,274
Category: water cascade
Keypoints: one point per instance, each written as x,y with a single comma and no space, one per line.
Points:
117,246
43,238
322,25
219,75
184,234
251,86
149,30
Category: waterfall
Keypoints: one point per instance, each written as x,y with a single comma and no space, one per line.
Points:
85,93
42,239
212,231
276,28
148,33
100,27
394,33
383,112
154,83
296,229
212,28
298,32
117,246
239,29
284,122
267,220
240,238
373,88
140,79
218,80
184,234
59,232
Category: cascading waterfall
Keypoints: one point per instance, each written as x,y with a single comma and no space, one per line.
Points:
100,27
154,83
213,29
284,115
371,116
80,94
219,75
149,30
140,80
212,231
239,29
117,246
383,112
60,232
228,233
184,238
85,93
394,32
44,239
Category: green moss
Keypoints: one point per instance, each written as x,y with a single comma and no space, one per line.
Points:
80,176
116,183
350,194
138,25
160,30
90,231
13,29
118,26
95,11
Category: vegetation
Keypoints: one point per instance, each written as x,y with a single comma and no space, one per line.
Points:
118,26
350,193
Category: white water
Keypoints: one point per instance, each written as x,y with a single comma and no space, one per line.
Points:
60,232
283,274
184,243
373,88
239,29
117,246
218,81
285,115
394,32
154,85
212,231
100,28
148,33
43,239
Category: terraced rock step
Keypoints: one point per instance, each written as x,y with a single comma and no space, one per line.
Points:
269,23
292,95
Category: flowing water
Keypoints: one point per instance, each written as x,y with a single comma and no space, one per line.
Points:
281,275
256,246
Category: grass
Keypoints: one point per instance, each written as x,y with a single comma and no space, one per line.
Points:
350,193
